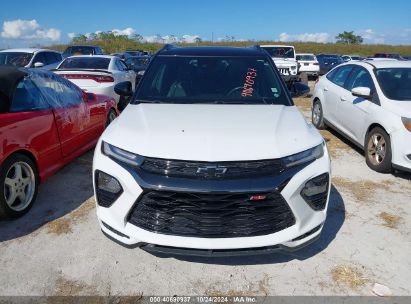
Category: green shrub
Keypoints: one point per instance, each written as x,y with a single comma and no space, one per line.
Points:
122,43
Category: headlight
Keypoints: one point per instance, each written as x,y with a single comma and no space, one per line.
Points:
304,157
407,123
121,155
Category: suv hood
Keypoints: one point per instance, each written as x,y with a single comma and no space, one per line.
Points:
285,62
206,132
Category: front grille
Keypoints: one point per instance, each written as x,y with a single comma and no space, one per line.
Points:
211,215
284,71
216,170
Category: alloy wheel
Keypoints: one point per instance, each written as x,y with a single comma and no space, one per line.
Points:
376,149
316,113
19,186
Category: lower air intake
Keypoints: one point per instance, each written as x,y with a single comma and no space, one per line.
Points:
211,215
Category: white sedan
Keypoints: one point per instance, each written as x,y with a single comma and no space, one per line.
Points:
97,74
370,103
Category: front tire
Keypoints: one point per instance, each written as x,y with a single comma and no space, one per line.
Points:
378,152
110,117
317,115
18,186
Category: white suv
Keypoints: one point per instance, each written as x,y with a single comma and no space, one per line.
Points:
370,103
308,63
285,60
211,156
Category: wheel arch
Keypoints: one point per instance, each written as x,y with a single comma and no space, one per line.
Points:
371,127
26,153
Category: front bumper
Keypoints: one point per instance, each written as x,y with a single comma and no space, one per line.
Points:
401,149
114,220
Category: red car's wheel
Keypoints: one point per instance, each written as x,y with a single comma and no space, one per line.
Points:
18,185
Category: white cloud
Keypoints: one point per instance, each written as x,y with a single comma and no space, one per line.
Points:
28,29
171,39
190,38
306,37
71,35
125,32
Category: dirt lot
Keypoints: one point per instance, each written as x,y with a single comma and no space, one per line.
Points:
58,249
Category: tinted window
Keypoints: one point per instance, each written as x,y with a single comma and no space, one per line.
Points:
51,58
79,50
395,82
120,65
306,57
15,58
98,51
123,65
40,57
85,63
212,80
360,78
340,75
280,51
27,97
143,61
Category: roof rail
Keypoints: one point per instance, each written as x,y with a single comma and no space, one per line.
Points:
167,47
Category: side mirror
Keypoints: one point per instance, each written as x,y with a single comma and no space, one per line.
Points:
362,92
298,89
124,88
91,96
39,65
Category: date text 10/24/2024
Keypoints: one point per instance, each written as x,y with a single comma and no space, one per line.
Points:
203,299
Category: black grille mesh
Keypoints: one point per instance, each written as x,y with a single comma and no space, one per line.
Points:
211,215
189,169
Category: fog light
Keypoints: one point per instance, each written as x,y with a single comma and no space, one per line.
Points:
315,191
108,189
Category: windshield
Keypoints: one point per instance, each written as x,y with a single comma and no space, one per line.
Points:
394,56
94,63
395,82
331,60
138,61
248,80
306,57
17,59
135,53
79,50
280,51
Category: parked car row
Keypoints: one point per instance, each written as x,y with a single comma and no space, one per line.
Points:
85,66
211,155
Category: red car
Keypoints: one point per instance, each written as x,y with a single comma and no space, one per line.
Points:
45,122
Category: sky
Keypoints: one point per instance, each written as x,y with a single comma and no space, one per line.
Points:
45,22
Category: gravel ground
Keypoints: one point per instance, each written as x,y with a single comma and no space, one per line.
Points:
58,249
